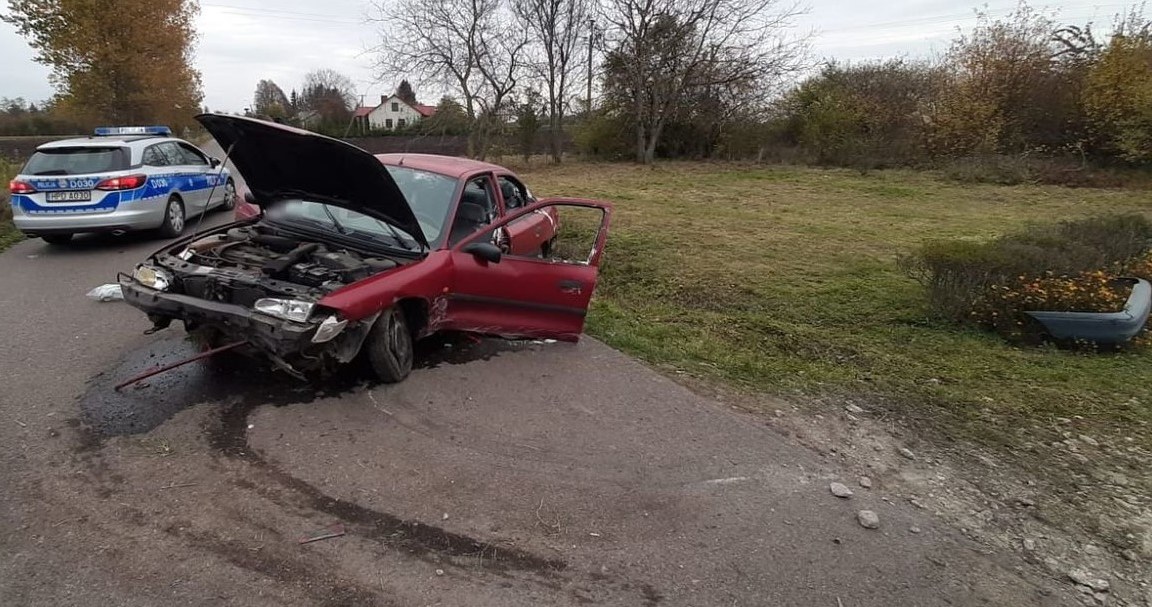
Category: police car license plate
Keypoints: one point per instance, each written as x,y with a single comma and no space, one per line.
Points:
71,196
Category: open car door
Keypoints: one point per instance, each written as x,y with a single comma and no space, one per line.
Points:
499,290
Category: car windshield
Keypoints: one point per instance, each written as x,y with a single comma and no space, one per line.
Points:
429,195
76,161
342,221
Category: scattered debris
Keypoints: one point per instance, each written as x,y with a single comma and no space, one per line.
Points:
444,517
1083,578
868,519
168,367
179,485
907,453
1089,440
840,490
108,292
439,572
329,532
865,482
1029,544
854,409
914,529
20,423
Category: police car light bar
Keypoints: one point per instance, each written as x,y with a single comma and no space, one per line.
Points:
105,131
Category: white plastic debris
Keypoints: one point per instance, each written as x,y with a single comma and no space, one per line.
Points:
109,292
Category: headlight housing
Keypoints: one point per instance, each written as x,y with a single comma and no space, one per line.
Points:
288,309
329,329
153,278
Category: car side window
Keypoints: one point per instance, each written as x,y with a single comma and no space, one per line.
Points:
172,153
514,193
153,157
477,209
191,155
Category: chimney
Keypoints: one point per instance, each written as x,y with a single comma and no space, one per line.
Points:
383,98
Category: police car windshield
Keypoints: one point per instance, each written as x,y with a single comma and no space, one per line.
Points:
76,161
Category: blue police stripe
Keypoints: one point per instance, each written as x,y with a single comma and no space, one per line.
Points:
156,186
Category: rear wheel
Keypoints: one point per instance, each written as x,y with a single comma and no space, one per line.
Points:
57,238
389,347
173,219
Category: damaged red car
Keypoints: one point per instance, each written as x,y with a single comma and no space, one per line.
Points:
347,254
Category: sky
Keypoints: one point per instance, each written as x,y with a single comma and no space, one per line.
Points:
241,42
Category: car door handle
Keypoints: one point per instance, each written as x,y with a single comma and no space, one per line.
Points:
572,287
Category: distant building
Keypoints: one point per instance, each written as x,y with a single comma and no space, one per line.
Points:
392,113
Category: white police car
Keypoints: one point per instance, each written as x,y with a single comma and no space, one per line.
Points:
121,179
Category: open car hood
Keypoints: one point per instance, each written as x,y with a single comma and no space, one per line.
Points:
278,161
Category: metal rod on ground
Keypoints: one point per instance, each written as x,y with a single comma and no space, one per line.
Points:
159,370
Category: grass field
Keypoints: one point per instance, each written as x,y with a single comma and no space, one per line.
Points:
784,281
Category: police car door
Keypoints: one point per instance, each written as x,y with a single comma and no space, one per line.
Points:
185,179
201,173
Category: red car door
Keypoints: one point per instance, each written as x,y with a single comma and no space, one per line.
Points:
533,234
526,295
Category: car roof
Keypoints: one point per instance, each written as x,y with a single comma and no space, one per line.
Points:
103,141
449,166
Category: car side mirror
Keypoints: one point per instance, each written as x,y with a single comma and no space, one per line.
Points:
484,250
214,161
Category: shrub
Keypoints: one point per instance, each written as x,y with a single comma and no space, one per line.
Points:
959,274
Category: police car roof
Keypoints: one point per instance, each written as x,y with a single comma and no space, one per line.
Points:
100,141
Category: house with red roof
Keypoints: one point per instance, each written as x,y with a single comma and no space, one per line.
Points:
392,113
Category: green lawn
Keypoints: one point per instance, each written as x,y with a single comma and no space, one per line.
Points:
784,281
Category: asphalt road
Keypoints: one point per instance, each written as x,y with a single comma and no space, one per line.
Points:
497,474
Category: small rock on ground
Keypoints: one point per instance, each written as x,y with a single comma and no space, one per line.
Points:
907,453
865,482
868,519
840,490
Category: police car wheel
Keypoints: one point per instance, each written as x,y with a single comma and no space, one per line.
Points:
229,196
173,218
57,238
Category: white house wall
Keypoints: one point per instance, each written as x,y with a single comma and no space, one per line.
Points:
378,118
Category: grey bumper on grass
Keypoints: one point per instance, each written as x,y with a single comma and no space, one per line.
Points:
1102,327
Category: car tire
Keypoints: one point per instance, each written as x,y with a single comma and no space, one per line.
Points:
174,218
389,346
57,239
229,203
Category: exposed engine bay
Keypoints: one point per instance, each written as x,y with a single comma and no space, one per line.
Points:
247,263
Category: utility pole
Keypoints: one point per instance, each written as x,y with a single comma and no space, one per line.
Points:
591,37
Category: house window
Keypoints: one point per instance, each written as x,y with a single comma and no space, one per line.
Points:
387,123
395,106
401,122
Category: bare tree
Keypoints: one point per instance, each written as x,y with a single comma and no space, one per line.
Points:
558,26
471,46
667,50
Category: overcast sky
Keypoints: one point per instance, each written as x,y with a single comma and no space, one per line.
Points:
241,43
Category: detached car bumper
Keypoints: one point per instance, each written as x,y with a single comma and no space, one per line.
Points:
282,338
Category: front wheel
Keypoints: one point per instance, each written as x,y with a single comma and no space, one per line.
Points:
173,224
389,347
